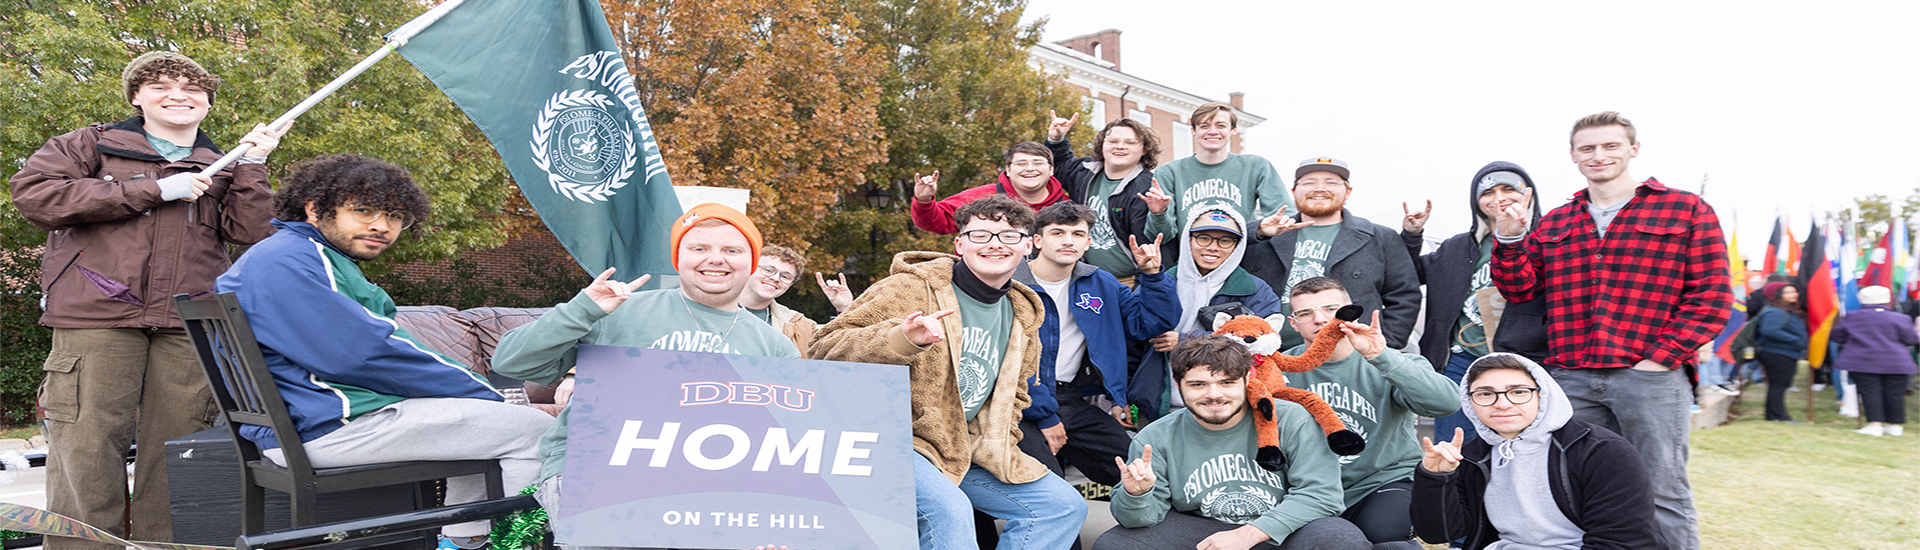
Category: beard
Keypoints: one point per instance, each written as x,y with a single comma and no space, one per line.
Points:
347,243
1316,212
1216,420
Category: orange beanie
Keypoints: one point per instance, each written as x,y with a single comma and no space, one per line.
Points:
716,211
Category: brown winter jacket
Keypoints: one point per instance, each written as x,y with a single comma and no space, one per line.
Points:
869,332
794,325
116,252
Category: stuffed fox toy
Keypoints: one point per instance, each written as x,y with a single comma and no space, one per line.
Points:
1267,381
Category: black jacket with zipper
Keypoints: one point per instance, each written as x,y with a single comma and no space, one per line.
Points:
1599,482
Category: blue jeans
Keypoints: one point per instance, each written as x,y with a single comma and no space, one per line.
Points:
1715,371
1443,427
1044,514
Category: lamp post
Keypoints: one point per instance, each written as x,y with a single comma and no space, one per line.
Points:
879,199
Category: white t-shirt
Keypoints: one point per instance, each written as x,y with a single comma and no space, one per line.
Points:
1073,344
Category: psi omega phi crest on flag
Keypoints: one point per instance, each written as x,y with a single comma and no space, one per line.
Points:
587,151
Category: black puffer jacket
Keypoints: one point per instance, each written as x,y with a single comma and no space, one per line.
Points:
1448,274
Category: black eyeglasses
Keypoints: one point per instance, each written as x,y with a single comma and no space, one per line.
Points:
982,236
1517,396
1226,241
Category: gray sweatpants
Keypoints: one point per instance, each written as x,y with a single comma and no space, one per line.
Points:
1183,530
1650,409
440,429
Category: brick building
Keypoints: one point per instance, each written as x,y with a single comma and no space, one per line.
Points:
1091,63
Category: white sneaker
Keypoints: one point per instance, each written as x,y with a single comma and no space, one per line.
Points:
1895,430
1724,389
1869,430
1818,387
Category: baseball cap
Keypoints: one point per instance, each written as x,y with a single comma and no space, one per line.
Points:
1498,178
1217,219
1322,164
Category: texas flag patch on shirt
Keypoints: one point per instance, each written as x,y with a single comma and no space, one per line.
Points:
1089,302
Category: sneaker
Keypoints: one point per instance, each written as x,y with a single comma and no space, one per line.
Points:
1895,430
1696,408
1796,389
462,543
1870,430
1818,387
1724,389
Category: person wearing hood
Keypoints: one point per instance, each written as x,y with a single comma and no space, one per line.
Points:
1028,176
1214,177
1780,334
1537,477
1207,276
359,388
1460,272
1378,391
1876,349
1110,183
1327,240
969,336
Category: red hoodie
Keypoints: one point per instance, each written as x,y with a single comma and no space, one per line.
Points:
938,216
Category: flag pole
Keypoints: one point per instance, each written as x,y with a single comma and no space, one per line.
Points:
394,40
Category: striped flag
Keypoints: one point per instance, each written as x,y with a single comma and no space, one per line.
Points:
1902,257
1820,296
1879,264
1846,262
1771,264
1737,275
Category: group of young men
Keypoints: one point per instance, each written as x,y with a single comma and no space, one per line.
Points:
1070,325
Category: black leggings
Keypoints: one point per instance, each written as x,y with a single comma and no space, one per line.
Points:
1780,372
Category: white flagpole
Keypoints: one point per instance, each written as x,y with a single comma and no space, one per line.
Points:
394,40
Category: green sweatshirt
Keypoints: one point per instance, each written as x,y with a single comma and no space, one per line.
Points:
1247,183
1378,399
545,349
1211,473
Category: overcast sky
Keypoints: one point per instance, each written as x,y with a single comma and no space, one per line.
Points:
1797,108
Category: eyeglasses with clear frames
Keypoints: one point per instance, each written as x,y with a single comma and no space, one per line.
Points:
1305,314
1517,396
1327,184
368,215
982,236
776,273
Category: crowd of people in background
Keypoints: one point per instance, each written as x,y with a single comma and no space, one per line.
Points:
1070,325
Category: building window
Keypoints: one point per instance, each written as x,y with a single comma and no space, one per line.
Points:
1181,140
1096,51
1098,107
1141,116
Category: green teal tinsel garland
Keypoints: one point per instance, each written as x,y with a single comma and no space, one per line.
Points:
521,530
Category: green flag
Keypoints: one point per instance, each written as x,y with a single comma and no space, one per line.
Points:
545,81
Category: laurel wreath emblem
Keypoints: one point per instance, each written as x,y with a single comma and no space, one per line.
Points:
595,191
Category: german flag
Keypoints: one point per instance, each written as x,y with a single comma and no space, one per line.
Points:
1819,295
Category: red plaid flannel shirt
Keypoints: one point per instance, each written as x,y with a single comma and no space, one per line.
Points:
1655,288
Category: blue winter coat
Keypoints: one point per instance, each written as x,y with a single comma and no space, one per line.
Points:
328,336
1780,332
1149,388
1107,313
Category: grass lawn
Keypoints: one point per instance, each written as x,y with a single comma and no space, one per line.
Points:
1760,484
18,432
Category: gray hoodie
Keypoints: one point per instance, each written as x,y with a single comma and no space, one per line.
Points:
1519,499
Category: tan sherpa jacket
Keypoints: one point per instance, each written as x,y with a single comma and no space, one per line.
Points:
794,326
869,332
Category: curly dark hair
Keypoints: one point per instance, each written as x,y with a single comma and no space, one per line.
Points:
329,182
994,208
1149,142
182,70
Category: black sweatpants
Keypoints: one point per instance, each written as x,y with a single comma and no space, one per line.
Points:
1094,438
1883,397
1780,372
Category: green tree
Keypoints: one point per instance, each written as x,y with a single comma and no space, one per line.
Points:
958,93
60,63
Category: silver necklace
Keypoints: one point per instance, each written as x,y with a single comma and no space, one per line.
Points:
686,302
